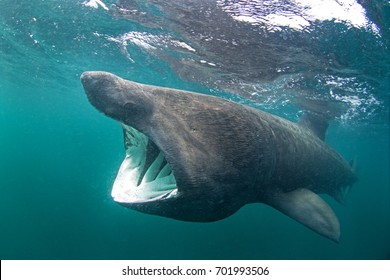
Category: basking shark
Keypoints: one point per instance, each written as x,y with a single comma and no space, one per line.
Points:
200,158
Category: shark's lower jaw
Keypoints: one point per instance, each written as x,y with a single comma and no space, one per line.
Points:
144,175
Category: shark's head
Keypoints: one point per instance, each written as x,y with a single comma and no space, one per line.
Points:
182,159
118,99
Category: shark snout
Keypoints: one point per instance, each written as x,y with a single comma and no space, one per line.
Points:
102,90
89,81
85,75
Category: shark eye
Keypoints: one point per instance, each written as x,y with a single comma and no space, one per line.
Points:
130,106
133,109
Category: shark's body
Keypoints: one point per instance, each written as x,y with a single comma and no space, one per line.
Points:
200,158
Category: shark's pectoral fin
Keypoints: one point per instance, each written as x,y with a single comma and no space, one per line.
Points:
309,209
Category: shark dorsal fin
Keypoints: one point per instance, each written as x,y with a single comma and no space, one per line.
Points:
316,123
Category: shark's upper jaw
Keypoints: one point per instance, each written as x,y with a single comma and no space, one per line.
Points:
144,175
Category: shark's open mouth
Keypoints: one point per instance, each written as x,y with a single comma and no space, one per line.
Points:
144,174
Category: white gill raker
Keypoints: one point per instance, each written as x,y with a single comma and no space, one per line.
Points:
171,179
166,183
126,179
128,172
152,194
156,187
167,180
165,171
153,169
167,188
134,139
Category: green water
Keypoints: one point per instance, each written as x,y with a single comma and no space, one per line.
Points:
59,157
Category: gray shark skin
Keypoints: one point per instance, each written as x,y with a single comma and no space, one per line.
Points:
200,158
